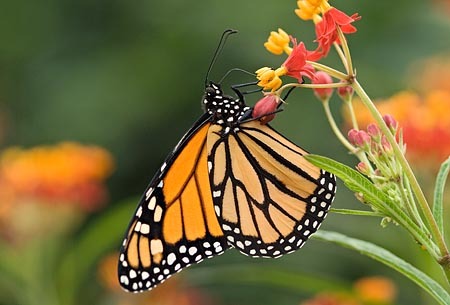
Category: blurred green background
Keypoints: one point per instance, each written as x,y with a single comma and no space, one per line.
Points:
128,76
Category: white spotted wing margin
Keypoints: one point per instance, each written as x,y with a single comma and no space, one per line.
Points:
149,253
268,198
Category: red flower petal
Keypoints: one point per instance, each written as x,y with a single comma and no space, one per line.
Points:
326,30
296,65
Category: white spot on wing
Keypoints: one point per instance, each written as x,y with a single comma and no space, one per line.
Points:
152,203
158,214
145,228
124,279
171,258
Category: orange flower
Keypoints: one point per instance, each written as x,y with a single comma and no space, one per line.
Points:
64,173
424,120
376,290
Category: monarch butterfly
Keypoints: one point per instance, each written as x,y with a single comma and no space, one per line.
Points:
229,182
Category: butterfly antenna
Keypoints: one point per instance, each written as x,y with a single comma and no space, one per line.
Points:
233,70
284,98
219,48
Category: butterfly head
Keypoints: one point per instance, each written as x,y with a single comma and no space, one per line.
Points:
224,109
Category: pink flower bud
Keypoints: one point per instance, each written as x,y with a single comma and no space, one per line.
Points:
359,138
390,122
363,168
386,146
352,134
320,78
264,109
374,131
345,93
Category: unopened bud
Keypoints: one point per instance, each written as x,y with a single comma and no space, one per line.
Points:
359,138
321,78
345,93
390,122
363,168
374,132
264,109
386,146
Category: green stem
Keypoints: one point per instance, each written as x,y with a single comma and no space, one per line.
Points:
332,72
348,57
341,55
413,204
356,212
352,114
406,168
357,152
335,128
310,86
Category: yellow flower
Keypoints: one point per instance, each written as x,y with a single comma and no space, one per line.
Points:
270,79
310,9
278,42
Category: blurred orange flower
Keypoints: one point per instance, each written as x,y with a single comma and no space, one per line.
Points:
424,120
46,189
367,290
375,290
331,299
67,173
171,293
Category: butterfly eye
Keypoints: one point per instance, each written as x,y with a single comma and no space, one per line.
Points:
210,91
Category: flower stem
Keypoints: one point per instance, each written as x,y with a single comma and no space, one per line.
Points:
348,58
335,128
438,238
357,152
341,55
311,86
352,114
332,72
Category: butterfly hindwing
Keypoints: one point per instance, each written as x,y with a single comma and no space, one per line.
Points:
175,224
269,199
230,182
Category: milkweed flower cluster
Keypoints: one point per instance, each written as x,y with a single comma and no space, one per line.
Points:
382,166
330,24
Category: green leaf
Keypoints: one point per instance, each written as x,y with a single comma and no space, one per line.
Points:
389,259
441,178
81,259
358,183
356,212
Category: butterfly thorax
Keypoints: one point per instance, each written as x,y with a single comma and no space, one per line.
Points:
225,110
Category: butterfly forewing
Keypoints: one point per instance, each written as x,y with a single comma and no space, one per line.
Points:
269,199
230,182
175,224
